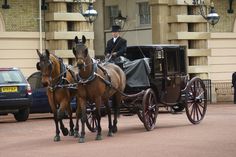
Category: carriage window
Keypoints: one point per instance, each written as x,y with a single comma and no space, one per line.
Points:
172,61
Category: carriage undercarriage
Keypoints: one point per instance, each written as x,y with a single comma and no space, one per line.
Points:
146,105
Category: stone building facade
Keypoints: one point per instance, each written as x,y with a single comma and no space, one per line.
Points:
211,50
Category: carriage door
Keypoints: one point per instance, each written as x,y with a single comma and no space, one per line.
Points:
173,78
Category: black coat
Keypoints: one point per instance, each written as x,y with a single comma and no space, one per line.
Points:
119,46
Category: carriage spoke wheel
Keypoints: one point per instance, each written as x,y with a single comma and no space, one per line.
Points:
150,109
196,100
91,120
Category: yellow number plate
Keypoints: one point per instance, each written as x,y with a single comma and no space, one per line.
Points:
9,89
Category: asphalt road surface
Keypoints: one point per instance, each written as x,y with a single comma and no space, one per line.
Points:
174,136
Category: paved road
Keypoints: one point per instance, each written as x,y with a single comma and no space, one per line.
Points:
174,136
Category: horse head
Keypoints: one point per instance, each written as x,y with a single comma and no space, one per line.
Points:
45,65
80,50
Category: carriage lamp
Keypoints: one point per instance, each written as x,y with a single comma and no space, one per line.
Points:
212,17
90,14
120,20
5,5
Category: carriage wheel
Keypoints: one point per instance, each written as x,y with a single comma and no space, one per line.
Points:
196,100
91,121
150,109
140,114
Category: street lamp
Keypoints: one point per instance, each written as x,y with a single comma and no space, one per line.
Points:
5,5
120,20
90,14
212,17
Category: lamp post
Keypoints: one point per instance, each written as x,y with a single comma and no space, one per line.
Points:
212,17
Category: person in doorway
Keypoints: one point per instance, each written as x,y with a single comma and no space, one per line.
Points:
117,45
234,85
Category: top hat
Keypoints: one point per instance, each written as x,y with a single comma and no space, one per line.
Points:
115,28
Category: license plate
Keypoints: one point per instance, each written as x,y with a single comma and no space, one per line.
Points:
8,89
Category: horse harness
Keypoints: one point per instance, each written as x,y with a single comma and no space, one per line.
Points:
94,74
61,78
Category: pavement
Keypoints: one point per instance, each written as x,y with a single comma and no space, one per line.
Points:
174,136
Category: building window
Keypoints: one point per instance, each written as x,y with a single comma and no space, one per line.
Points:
112,12
144,13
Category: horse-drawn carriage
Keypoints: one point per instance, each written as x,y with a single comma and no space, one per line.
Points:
157,77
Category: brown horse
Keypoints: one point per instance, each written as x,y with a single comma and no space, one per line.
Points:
96,84
54,76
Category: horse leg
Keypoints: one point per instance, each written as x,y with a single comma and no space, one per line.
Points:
83,115
57,136
76,131
116,100
64,130
60,116
108,109
98,116
71,133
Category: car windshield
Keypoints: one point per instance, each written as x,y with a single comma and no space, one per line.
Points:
12,76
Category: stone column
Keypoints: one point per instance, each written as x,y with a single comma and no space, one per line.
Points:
160,28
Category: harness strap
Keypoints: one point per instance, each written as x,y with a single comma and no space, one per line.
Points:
92,75
62,76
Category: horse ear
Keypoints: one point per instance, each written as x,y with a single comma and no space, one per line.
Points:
47,53
38,66
76,39
39,54
83,39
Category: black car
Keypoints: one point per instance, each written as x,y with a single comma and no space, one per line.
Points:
40,102
15,94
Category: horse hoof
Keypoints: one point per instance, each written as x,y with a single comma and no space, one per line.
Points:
76,134
57,138
65,131
81,140
71,133
99,137
114,129
110,134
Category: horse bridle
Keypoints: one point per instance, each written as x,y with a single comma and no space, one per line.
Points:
61,76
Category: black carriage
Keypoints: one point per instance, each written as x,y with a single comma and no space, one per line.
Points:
157,77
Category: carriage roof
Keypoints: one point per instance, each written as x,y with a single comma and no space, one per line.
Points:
142,51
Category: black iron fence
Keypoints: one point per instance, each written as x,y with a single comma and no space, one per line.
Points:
208,86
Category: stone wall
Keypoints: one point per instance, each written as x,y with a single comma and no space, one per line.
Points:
22,15
226,22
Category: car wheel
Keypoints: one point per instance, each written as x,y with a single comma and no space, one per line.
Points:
22,115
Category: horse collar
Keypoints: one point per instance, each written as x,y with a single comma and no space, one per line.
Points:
92,75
